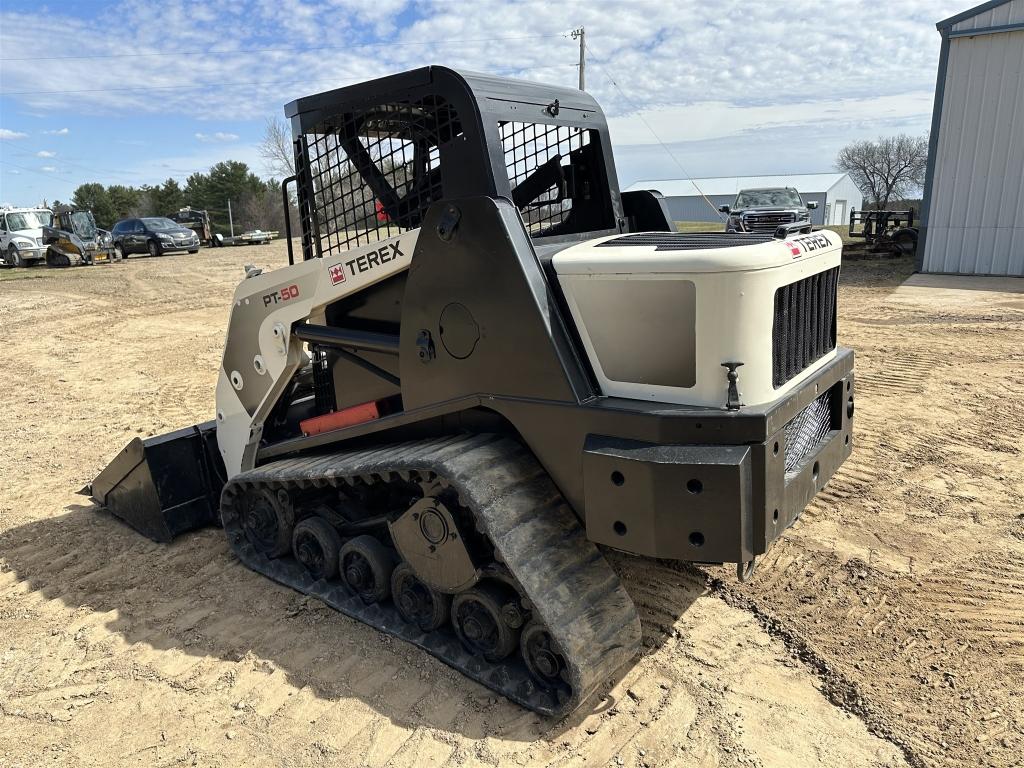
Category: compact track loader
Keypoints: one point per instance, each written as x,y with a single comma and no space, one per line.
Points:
72,239
489,364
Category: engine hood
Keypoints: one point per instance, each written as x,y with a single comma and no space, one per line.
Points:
677,252
34,234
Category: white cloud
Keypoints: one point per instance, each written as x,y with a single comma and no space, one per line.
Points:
218,137
57,132
724,83
49,169
14,172
7,134
45,153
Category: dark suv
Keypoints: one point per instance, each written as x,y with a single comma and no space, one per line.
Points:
763,210
155,235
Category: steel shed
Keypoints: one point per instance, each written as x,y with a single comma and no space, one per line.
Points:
835,193
973,210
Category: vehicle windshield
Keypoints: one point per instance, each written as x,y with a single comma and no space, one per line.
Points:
25,220
160,223
757,198
83,224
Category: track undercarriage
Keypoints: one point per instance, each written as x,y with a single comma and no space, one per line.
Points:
461,546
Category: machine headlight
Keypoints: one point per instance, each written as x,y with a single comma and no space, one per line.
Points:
162,236
23,242
736,222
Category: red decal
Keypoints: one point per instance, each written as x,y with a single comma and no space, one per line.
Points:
337,272
792,248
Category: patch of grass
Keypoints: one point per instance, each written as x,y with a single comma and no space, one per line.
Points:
20,273
700,226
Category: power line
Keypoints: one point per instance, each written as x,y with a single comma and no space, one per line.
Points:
664,146
47,174
220,85
310,49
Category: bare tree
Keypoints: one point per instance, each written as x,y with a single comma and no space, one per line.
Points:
891,168
276,148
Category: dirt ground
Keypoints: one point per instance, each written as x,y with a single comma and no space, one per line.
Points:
886,628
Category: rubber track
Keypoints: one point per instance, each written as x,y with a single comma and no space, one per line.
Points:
570,586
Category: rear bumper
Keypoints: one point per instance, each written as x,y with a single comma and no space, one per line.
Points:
714,502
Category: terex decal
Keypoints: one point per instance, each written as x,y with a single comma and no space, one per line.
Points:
285,294
337,273
807,244
365,262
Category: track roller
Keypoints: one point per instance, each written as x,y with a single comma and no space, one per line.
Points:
268,520
316,545
366,567
417,602
542,658
478,616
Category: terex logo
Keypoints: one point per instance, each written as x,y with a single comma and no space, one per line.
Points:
365,262
285,294
808,243
368,261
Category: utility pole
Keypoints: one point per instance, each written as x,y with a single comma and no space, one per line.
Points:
231,221
580,34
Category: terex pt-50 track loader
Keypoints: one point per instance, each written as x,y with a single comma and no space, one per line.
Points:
487,361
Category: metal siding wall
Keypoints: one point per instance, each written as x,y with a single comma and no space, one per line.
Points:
1008,13
976,217
696,209
818,216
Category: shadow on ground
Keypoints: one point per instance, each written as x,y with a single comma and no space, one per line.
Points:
194,596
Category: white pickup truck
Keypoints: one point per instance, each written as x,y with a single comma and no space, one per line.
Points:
21,235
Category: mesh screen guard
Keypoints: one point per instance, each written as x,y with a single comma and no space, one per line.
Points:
375,173
537,160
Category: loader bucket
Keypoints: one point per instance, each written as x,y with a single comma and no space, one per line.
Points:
165,485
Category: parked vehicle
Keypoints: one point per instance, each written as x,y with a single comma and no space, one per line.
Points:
763,210
199,222
253,237
72,238
155,235
886,230
21,235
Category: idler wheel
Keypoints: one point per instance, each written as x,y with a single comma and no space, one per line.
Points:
315,544
418,603
478,619
267,521
366,567
542,658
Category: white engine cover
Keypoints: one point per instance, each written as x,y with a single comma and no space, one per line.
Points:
658,322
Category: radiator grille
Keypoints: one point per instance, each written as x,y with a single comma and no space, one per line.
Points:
806,431
686,241
767,222
804,329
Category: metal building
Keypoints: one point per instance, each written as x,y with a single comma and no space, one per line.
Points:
835,193
972,219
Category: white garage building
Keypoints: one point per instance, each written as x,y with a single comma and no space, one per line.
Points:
835,193
972,219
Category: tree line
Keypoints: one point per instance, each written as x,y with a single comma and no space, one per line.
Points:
255,203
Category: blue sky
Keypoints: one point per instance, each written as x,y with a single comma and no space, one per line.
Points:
151,90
